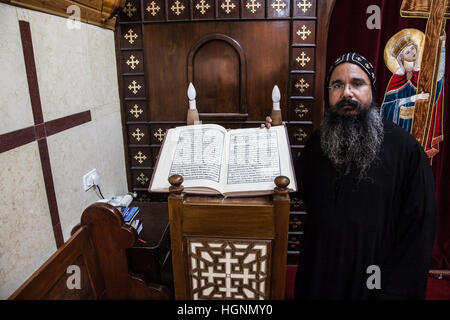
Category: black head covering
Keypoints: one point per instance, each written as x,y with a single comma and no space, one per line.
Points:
360,61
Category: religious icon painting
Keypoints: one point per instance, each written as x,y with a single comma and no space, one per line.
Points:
403,55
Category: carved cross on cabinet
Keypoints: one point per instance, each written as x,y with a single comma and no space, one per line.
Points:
138,135
136,112
252,5
153,8
130,36
300,135
142,179
278,5
303,59
202,6
177,8
302,85
134,87
227,6
304,32
159,134
140,157
301,111
132,62
129,9
304,5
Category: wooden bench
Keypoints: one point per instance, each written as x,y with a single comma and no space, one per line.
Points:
96,254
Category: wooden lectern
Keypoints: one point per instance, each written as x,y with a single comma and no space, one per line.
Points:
229,248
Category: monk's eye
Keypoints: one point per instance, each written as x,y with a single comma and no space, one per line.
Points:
358,84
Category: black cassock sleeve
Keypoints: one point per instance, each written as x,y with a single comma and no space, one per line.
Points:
405,270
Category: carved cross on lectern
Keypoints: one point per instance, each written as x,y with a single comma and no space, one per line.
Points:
436,11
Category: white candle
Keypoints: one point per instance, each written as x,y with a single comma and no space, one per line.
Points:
276,98
191,95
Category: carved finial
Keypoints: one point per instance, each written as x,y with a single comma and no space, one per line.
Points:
175,181
281,183
276,111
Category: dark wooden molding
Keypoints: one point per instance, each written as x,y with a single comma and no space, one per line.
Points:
324,11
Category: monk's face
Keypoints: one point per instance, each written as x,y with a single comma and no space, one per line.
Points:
349,84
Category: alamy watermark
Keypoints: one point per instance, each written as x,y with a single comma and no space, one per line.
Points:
73,21
374,20
74,280
374,280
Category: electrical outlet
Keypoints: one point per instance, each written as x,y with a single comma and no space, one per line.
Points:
89,178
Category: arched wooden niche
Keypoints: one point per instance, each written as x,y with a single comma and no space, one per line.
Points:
217,67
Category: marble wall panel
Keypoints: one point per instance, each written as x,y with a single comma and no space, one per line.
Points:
73,153
15,105
110,141
101,63
76,70
26,235
61,64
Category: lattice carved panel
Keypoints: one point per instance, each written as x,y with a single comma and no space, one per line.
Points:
229,268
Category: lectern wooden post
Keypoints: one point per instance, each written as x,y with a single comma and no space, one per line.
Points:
232,248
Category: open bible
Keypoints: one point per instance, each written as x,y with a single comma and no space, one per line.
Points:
213,160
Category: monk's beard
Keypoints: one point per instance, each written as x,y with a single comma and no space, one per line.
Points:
352,140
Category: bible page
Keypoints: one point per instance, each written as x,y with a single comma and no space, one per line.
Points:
255,157
196,153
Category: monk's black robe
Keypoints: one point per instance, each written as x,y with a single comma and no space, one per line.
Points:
387,220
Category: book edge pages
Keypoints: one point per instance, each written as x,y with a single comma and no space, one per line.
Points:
157,161
292,163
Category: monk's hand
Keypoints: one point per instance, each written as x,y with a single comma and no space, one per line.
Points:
268,123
